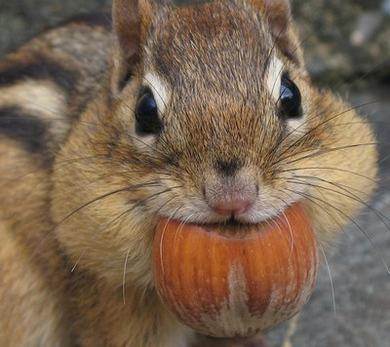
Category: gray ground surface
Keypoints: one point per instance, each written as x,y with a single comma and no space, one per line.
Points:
361,314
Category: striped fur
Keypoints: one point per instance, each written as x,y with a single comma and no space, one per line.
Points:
81,191
43,87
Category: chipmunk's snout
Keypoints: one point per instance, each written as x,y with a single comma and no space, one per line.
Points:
230,192
232,206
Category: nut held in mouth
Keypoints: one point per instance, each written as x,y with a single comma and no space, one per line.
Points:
236,281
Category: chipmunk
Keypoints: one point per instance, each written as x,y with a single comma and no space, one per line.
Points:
201,113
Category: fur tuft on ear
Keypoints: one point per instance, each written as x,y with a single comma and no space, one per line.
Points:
282,27
131,20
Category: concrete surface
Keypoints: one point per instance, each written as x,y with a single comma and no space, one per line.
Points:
360,316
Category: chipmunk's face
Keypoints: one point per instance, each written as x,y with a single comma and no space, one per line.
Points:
216,123
219,113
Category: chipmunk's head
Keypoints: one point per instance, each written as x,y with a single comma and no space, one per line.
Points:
211,89
210,117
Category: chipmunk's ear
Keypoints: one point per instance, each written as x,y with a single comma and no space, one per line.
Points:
131,21
282,27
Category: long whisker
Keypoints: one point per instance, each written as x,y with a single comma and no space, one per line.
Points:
181,226
171,216
141,202
314,202
329,150
330,169
162,239
95,200
119,217
291,234
307,195
330,279
77,262
349,195
310,131
104,196
124,276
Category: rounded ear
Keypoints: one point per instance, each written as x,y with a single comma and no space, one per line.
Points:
278,13
131,20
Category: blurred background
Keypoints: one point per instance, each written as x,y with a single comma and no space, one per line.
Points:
347,45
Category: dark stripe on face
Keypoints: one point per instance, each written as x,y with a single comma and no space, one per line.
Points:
41,68
102,19
30,131
228,168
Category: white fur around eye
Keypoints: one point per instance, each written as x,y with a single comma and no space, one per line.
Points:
160,90
297,127
274,76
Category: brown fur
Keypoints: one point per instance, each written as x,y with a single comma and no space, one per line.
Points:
76,234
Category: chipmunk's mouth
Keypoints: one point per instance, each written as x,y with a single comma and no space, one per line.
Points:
232,227
233,224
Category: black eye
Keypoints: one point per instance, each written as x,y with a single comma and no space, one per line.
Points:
290,99
146,114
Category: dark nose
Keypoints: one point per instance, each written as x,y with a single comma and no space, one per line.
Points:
228,167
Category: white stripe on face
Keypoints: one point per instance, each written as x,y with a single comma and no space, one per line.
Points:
273,80
273,77
161,93
159,89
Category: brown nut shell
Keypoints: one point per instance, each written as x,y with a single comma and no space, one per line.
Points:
225,283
